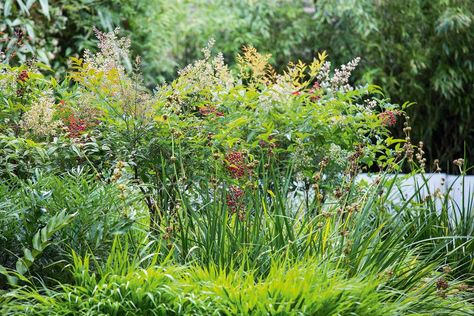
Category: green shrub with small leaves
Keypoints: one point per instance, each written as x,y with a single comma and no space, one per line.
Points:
416,50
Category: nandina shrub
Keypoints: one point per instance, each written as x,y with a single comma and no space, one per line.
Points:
210,125
192,129
19,88
44,124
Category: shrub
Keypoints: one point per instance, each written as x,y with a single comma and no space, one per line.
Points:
186,131
417,51
52,31
100,212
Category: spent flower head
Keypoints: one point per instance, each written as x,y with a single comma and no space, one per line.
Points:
39,119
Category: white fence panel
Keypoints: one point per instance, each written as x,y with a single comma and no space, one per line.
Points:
445,183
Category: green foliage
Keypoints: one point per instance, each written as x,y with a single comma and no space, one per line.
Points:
450,223
41,240
36,209
54,30
20,156
131,285
416,50
221,183
186,132
278,27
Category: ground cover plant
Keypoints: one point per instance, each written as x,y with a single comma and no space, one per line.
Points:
118,200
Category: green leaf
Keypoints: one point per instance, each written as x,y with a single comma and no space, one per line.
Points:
45,8
42,56
54,83
76,150
23,7
44,66
37,243
391,141
7,8
30,31
41,240
21,267
27,255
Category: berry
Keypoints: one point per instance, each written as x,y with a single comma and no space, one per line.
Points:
388,118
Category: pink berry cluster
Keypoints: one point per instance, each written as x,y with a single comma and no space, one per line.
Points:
236,165
388,118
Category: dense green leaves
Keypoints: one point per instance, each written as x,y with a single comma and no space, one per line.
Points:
416,50
116,200
42,239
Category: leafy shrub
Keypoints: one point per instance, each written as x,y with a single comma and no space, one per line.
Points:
417,51
101,211
19,157
186,131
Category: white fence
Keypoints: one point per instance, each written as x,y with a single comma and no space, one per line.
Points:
422,184
454,185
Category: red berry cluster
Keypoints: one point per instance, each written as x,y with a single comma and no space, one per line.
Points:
236,164
208,110
23,76
75,126
388,118
235,199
